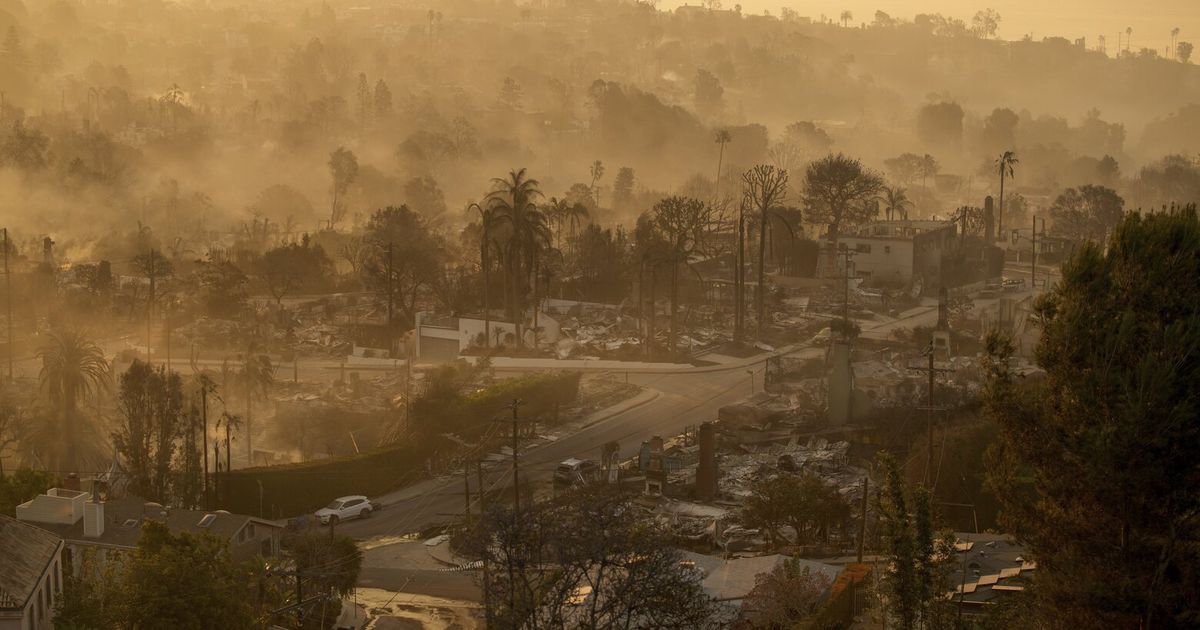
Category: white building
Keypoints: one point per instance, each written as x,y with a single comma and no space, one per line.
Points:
899,251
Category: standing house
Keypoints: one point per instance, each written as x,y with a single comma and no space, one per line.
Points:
30,575
112,528
901,252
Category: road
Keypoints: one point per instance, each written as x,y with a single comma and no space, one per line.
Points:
675,401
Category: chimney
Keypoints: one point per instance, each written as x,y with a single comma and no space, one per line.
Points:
93,514
706,473
71,482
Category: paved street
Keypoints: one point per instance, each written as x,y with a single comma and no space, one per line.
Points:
683,398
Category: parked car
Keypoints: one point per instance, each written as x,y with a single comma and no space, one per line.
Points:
576,471
340,509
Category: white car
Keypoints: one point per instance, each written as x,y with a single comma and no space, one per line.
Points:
356,506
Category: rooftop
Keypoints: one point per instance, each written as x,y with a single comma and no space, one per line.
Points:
25,552
123,520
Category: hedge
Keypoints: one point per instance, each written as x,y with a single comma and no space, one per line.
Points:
294,489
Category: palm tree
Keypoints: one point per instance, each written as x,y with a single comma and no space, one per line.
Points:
895,201
573,215
1004,164
597,171
1174,38
485,263
257,375
1128,37
72,366
846,17
230,422
722,138
512,201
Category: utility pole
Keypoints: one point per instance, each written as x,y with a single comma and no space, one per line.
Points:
739,282
931,371
1033,258
391,299
150,308
479,480
204,385
515,406
467,488
8,300
862,526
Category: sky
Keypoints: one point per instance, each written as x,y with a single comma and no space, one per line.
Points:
1151,20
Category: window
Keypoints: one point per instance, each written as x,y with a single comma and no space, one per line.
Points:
250,530
887,249
862,248
57,578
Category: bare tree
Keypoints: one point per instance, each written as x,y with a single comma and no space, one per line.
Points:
765,189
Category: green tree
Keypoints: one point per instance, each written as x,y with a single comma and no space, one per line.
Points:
1093,465
838,190
512,201
153,419
72,367
223,287
22,485
293,267
1087,212
404,258
183,581
895,202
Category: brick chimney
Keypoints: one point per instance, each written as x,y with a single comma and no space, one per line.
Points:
706,473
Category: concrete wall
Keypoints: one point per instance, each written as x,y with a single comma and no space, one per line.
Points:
886,259
58,505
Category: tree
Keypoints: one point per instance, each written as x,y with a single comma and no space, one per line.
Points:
895,202
425,196
22,485
623,189
383,100
292,267
904,168
257,376
1000,129
182,581
13,426
332,563
846,17
1184,51
837,189
929,168
72,367
597,172
682,223
917,559
1004,164
405,258
24,148
785,597
1087,212
940,125
722,137
223,287
343,170
985,23
764,188
153,418
513,202
511,95
1089,461
709,95
611,568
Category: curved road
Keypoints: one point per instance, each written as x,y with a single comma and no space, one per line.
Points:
673,401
